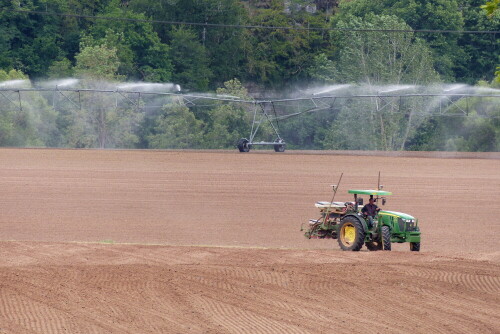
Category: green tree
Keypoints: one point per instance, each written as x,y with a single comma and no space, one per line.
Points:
281,57
470,124
491,7
26,119
27,42
381,57
481,49
100,121
493,13
98,61
421,15
228,122
223,44
142,55
177,128
32,42
60,69
190,61
375,59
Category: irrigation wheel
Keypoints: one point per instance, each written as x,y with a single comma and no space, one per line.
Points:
279,148
243,145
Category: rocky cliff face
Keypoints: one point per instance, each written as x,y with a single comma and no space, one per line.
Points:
326,5
292,5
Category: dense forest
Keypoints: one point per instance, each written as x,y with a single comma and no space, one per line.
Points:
247,49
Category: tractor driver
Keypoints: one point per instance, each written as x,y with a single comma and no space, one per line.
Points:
370,210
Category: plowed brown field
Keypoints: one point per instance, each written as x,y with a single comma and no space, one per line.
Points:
210,242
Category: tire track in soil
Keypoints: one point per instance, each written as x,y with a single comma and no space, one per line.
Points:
147,197
249,292
270,294
452,315
191,296
483,282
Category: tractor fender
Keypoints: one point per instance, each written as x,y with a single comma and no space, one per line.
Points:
361,220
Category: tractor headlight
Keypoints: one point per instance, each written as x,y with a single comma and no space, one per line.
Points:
409,220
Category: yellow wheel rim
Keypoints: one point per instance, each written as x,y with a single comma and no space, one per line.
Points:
348,233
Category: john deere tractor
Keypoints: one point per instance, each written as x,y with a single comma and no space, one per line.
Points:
346,222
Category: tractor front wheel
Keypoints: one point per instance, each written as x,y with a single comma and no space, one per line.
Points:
351,235
386,238
415,246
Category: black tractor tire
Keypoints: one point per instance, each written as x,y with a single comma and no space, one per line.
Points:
415,246
279,148
373,245
351,234
243,145
386,238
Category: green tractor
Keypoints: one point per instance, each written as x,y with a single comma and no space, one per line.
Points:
346,222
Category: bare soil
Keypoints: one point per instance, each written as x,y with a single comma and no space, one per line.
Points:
97,241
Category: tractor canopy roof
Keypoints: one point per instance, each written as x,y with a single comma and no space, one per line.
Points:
370,192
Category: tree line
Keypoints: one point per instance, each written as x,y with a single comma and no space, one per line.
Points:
213,51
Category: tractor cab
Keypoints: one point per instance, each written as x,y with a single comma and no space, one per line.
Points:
358,200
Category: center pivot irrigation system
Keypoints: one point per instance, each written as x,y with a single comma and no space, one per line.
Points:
150,98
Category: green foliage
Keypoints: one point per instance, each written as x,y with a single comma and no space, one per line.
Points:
431,14
481,49
470,124
190,60
376,59
208,54
282,56
309,131
491,7
177,128
380,57
12,75
60,69
31,42
101,124
142,55
492,11
456,133
223,45
26,119
218,127
228,122
98,61
234,88
323,69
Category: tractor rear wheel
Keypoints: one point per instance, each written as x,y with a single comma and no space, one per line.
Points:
415,246
351,235
386,238
373,245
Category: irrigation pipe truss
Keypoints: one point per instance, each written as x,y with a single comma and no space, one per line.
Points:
227,98
288,106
